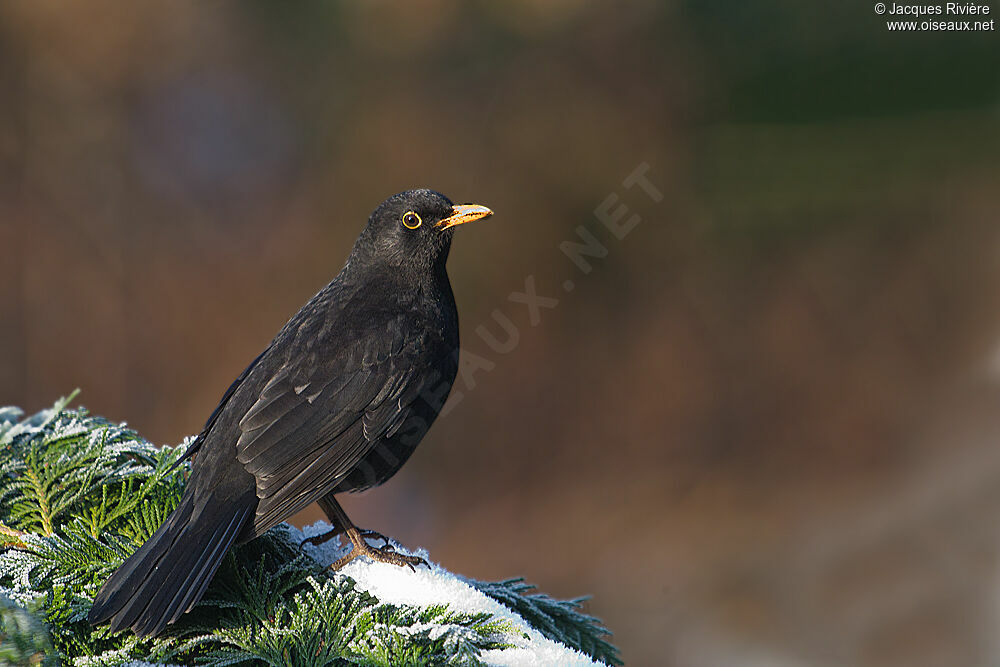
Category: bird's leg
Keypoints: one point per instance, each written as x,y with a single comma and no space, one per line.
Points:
337,529
384,554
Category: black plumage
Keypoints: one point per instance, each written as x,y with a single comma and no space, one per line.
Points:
337,402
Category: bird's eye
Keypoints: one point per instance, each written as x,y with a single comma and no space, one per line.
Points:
411,220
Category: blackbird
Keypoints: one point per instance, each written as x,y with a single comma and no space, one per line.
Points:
337,402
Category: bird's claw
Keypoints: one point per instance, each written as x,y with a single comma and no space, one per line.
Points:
388,554
384,554
317,540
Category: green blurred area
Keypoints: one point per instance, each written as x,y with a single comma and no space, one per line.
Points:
176,179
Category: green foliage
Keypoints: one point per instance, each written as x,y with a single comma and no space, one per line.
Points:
559,620
24,640
63,467
78,494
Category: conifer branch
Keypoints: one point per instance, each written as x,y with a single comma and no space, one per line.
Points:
78,494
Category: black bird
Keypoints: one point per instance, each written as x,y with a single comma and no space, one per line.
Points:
337,402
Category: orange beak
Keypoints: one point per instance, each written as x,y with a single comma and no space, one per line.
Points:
464,213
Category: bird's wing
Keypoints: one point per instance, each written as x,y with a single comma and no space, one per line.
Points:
313,423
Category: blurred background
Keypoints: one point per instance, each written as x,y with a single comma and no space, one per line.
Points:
762,430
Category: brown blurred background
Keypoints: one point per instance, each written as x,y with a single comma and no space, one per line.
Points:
761,431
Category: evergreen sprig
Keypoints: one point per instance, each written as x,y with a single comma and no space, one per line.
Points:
24,640
78,494
559,620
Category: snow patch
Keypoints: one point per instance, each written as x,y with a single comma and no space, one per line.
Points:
400,585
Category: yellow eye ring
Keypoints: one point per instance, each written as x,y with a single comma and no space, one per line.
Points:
411,220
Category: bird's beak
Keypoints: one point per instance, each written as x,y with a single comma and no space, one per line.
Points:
464,213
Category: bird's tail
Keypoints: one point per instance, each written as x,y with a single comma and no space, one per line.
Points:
168,574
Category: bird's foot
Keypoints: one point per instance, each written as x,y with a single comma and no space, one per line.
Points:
317,540
383,554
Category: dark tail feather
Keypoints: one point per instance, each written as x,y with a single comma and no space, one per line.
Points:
168,574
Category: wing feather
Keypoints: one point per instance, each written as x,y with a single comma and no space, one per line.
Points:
312,425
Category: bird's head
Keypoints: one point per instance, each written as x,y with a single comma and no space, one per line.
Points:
412,230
